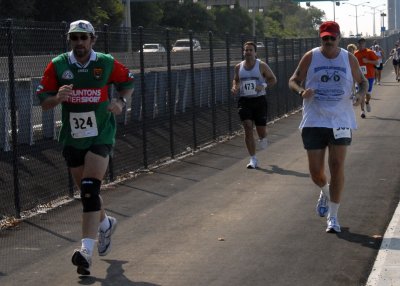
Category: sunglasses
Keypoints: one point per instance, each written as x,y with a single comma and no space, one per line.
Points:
326,38
76,38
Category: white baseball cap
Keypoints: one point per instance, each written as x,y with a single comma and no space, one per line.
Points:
81,26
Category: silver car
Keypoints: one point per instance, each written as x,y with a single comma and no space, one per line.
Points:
184,45
153,48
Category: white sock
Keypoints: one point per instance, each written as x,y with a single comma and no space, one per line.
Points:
333,209
88,244
105,224
253,157
325,190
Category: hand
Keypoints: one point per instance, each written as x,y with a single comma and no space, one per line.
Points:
260,88
308,93
365,60
64,93
235,89
116,106
357,98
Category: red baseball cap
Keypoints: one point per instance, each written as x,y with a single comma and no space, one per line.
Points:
329,28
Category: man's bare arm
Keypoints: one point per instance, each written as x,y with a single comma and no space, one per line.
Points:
299,76
236,80
269,75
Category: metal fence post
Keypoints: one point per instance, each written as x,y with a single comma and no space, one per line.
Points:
106,40
106,51
143,90
266,51
193,90
241,45
14,135
276,51
228,81
212,77
170,97
64,36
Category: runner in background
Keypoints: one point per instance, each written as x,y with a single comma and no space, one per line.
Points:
367,61
250,80
379,67
395,54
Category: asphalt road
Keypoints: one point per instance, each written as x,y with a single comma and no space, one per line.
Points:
207,220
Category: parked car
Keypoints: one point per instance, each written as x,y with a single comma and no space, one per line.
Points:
153,48
184,45
260,45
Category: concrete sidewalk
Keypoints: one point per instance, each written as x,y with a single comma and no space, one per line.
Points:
206,220
386,270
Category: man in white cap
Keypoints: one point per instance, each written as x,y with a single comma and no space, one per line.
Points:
79,81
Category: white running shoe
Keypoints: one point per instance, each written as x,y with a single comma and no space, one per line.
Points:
368,107
333,225
82,260
104,237
263,143
252,164
322,207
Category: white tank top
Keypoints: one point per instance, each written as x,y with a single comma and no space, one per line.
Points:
379,54
249,79
331,105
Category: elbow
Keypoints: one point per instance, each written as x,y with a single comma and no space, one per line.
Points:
45,107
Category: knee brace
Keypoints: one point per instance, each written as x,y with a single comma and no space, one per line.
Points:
90,194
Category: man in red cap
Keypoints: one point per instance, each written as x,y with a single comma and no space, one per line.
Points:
324,80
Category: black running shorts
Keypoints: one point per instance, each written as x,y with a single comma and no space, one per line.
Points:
315,138
76,157
253,108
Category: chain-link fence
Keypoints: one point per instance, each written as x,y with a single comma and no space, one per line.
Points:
182,101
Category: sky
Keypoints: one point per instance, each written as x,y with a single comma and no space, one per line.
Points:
345,15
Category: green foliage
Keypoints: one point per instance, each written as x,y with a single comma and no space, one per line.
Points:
281,18
146,14
17,9
187,16
235,21
97,11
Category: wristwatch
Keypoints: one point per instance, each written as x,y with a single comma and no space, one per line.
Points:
123,99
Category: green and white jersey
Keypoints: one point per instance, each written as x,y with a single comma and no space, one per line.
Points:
85,118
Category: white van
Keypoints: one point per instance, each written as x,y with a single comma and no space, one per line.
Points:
184,45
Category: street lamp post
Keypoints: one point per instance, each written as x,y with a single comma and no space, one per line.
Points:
373,9
253,11
356,18
335,3
383,15
356,6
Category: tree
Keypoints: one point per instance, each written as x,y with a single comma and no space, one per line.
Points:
235,21
187,16
281,18
146,14
17,9
96,11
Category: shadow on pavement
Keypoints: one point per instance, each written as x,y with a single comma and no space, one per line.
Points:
278,170
115,276
361,239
